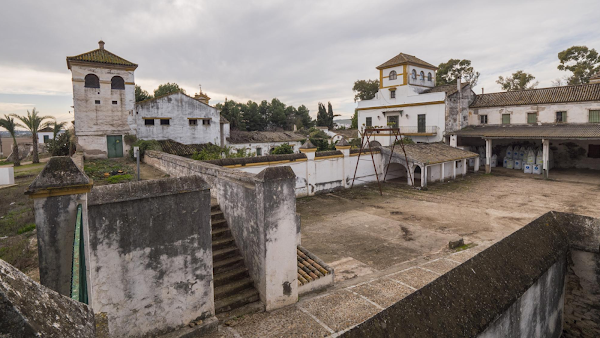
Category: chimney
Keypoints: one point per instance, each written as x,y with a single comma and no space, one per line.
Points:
101,44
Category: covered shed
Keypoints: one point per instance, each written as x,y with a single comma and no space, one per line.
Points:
426,162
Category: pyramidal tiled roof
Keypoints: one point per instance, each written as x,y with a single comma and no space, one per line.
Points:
100,55
405,58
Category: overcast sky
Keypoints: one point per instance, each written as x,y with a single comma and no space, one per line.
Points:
302,52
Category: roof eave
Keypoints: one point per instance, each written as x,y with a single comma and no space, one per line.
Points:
131,67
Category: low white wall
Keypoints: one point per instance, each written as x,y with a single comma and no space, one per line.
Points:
7,176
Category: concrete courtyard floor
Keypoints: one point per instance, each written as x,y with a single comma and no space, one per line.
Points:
384,248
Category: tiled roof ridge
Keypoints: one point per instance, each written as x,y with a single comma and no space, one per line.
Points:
403,58
89,57
544,88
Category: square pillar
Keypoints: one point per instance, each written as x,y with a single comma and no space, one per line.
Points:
464,168
488,156
311,177
476,168
453,141
411,168
545,157
424,176
344,147
453,170
442,173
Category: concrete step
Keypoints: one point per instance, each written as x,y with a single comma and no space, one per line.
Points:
222,243
230,276
248,296
220,233
224,291
216,215
227,264
215,207
223,253
219,224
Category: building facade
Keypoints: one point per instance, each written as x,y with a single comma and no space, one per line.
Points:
103,101
408,99
180,118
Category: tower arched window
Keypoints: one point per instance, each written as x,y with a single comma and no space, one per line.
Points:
393,75
422,74
414,74
117,82
92,81
429,76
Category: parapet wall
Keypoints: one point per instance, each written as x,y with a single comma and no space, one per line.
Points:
260,210
149,252
514,288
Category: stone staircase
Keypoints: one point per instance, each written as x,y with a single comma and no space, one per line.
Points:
233,286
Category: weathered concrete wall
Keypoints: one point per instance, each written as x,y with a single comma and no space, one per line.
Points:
456,120
150,255
93,121
265,147
28,309
261,213
180,108
538,312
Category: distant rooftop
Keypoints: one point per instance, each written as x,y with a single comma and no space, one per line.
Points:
563,94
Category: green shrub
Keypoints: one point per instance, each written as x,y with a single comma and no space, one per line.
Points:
214,152
145,145
405,140
119,178
62,145
283,149
26,228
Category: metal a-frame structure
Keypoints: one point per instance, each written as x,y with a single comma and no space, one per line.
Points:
366,135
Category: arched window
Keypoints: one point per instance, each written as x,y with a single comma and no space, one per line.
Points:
117,82
422,76
429,76
92,81
393,75
414,74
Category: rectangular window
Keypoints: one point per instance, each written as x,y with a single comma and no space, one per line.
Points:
392,121
421,123
595,116
594,151
505,118
193,122
206,122
97,101
258,151
149,122
164,122
46,138
483,119
369,122
561,116
114,102
392,94
531,118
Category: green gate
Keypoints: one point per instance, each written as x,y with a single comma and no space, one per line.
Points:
114,145
78,276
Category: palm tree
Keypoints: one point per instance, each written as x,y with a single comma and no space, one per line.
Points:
9,124
56,127
33,122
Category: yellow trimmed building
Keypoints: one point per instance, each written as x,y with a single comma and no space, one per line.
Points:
408,99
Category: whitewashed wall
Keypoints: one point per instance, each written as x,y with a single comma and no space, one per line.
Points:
266,146
546,113
329,173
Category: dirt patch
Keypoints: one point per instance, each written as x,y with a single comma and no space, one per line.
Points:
407,223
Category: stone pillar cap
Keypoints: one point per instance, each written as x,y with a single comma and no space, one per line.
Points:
60,176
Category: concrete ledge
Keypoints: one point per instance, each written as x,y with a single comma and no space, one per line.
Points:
209,325
145,189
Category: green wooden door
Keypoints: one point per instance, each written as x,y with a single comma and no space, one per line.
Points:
421,123
114,144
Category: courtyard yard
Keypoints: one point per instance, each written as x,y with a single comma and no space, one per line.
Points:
359,232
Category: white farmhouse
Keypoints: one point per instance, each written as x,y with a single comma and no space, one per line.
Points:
47,134
103,101
180,118
408,99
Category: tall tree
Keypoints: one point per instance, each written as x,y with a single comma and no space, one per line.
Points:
9,124
33,121
303,119
330,115
232,112
519,80
449,71
354,120
581,61
365,89
278,118
168,88
322,119
140,94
